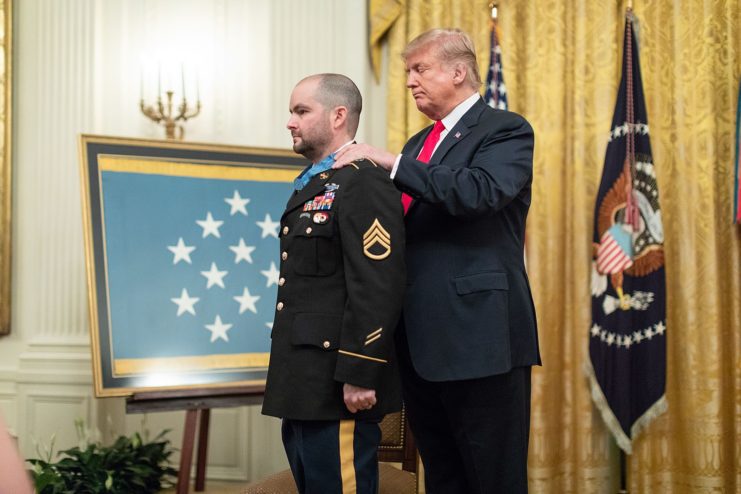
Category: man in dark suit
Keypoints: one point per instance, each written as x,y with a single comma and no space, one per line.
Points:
332,374
468,334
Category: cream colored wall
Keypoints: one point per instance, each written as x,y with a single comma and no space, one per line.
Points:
79,66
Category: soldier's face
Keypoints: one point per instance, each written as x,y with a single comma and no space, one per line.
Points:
309,122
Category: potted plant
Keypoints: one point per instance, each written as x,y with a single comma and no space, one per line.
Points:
129,465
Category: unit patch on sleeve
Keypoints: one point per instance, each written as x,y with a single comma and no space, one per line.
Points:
377,242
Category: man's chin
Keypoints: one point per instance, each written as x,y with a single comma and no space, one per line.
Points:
305,151
423,107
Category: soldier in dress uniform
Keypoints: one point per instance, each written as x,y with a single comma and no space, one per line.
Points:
332,374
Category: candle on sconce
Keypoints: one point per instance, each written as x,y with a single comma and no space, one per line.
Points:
166,111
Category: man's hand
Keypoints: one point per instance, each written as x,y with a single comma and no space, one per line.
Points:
354,152
357,398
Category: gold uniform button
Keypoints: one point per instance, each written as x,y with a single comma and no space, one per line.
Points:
281,282
285,230
308,231
279,306
284,256
325,344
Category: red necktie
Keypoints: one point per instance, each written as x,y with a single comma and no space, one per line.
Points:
424,156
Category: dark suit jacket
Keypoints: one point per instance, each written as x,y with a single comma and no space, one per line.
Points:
339,298
468,310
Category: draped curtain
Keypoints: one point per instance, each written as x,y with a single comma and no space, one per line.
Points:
561,63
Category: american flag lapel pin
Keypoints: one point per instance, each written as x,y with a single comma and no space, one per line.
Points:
457,135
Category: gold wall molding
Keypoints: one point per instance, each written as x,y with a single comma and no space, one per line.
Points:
6,103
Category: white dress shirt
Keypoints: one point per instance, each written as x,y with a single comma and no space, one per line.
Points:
449,122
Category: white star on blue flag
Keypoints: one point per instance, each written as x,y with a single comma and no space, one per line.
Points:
211,302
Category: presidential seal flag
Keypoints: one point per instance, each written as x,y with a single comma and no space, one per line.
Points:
627,339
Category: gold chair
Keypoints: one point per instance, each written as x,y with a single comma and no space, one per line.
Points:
397,446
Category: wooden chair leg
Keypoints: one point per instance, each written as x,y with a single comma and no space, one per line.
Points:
202,450
186,453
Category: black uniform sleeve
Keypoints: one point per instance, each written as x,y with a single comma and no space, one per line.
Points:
372,234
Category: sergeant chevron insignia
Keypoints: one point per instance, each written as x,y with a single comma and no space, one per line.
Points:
377,242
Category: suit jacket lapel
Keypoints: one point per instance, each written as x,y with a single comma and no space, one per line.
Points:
417,147
459,131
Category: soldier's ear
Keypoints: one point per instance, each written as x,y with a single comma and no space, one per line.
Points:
339,116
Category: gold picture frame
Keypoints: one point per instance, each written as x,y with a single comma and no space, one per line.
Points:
6,103
139,198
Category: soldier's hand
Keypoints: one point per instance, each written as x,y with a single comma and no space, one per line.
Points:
357,398
354,152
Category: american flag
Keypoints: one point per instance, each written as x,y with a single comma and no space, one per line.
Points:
615,251
627,340
496,92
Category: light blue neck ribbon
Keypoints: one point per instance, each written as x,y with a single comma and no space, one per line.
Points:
313,170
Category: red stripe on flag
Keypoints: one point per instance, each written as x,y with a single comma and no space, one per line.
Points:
616,258
611,258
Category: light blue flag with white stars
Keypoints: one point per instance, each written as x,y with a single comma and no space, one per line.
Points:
192,264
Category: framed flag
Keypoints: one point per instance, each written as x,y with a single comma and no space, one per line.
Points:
181,247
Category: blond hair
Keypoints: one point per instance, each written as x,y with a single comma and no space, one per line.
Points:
452,45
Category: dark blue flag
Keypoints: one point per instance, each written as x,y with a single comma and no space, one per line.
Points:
627,340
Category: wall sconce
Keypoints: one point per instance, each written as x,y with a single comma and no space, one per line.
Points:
165,113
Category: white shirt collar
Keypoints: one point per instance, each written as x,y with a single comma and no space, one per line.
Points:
338,149
344,145
452,118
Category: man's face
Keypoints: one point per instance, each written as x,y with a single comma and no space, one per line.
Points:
431,82
309,122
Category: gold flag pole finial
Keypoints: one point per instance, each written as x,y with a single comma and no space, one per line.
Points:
494,10
630,4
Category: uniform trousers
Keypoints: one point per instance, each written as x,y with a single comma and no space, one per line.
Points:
333,456
473,434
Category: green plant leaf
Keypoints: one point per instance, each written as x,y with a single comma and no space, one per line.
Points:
128,465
